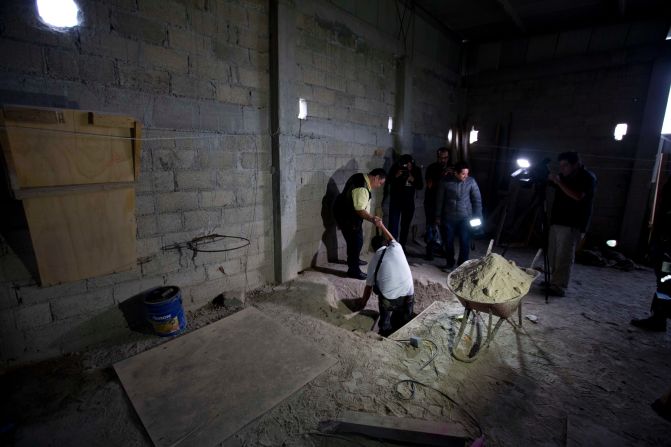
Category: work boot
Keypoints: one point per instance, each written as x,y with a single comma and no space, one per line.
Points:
362,262
652,324
356,274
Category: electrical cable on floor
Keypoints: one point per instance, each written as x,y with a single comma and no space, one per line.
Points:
413,382
434,354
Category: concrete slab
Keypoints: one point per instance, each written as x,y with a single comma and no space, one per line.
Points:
201,388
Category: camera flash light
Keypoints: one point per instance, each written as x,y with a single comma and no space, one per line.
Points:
611,243
475,222
523,163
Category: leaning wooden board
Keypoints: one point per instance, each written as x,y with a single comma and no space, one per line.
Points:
75,172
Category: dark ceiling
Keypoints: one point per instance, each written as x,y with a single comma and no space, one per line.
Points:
488,20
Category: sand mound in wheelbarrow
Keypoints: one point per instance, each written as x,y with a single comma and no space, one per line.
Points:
490,279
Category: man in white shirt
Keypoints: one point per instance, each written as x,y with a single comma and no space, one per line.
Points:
390,278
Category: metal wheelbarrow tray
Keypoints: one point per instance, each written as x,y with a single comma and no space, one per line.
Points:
502,310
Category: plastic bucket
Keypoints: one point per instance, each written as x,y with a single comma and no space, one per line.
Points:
165,313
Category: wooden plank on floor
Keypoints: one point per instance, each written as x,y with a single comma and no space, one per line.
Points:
201,388
405,430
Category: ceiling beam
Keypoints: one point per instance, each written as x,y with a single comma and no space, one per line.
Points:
510,11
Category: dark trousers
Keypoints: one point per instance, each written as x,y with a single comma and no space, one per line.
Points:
394,313
401,212
354,239
430,217
449,229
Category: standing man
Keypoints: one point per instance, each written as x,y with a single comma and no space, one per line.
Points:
405,178
351,208
390,278
434,175
570,218
458,200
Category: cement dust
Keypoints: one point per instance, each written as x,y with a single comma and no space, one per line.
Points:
491,279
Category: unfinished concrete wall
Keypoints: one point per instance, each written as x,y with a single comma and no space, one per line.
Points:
196,74
348,56
560,92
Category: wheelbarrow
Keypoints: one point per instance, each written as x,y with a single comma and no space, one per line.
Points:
472,307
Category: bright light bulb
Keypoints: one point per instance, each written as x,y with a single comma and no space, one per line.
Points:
611,243
390,124
58,13
302,109
473,136
523,163
449,136
620,131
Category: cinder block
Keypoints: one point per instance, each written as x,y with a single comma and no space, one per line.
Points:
144,204
252,78
216,158
21,56
252,40
259,60
163,10
174,113
220,117
82,305
177,201
188,180
192,86
93,284
131,25
233,94
202,219
169,59
170,223
96,69
212,199
8,297
209,68
231,54
139,78
223,268
146,226
255,120
123,291
30,295
186,278
33,316
166,262
188,41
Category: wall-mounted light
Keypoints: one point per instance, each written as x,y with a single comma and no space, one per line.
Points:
302,109
449,136
473,136
620,131
390,124
58,13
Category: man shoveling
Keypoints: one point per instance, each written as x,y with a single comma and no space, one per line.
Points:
390,278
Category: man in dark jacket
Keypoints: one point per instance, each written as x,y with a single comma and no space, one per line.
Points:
570,218
458,201
351,208
404,178
435,173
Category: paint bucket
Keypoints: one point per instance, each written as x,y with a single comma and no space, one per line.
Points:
163,306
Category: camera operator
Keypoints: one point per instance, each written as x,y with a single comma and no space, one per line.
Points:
570,218
405,178
434,174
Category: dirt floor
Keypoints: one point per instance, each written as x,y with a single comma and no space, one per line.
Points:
579,375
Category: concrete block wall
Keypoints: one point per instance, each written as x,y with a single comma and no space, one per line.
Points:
564,92
349,76
196,74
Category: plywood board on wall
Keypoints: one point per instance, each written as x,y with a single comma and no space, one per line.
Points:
82,234
57,147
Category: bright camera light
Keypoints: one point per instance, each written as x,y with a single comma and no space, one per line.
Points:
516,173
449,136
666,278
620,131
302,109
523,163
473,136
611,243
475,222
58,13
390,124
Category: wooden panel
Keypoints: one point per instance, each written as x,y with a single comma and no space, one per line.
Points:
201,388
82,235
67,149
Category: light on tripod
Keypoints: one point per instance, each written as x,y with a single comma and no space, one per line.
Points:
523,163
475,222
473,135
611,243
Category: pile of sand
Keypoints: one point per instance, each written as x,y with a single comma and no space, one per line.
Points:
491,279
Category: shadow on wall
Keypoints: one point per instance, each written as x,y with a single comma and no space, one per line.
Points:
330,235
